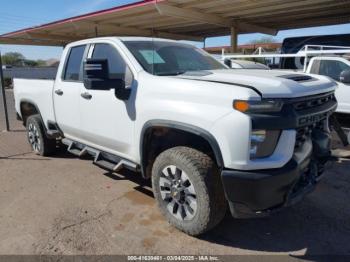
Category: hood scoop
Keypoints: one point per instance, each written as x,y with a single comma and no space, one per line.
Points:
298,78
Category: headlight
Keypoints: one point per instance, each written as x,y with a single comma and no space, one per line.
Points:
263,143
258,106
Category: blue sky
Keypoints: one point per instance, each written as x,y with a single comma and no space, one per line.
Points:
19,14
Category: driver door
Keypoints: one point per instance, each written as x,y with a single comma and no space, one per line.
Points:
108,122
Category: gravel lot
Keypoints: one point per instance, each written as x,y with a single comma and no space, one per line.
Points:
64,205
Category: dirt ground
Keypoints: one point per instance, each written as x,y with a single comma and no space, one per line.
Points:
65,205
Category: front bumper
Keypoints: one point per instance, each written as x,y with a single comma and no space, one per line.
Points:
261,192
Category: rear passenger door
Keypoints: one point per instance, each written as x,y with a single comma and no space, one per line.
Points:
67,92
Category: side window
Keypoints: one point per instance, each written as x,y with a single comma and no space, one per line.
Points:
73,65
332,68
117,66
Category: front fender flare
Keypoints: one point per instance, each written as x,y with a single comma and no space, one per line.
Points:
183,127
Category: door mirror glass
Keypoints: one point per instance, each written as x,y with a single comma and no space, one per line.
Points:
97,77
345,76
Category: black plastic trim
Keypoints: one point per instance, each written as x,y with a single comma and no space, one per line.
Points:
18,117
34,104
289,118
57,128
184,127
37,109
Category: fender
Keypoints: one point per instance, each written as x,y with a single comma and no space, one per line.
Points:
184,127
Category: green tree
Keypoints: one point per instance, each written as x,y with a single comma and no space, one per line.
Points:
30,63
13,59
264,40
41,63
19,60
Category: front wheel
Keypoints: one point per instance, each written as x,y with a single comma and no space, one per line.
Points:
37,139
187,186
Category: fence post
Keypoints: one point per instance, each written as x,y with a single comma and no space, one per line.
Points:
2,87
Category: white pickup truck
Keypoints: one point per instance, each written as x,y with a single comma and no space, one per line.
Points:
208,136
337,68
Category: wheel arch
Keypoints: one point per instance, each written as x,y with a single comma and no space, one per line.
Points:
176,126
29,108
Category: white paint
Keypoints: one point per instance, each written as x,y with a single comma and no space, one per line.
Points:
115,126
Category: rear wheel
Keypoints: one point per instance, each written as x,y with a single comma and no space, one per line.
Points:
188,189
40,144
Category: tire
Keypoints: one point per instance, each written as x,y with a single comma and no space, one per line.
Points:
198,180
37,138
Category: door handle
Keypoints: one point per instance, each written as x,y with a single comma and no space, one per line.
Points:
86,96
59,92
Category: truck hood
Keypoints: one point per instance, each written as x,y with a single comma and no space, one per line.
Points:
267,83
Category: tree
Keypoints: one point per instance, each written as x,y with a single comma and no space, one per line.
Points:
13,59
30,63
18,60
264,40
41,63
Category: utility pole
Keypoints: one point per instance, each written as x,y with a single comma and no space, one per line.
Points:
2,87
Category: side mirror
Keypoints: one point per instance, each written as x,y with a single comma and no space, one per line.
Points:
345,77
228,62
96,76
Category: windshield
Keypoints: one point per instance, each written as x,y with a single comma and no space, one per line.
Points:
171,58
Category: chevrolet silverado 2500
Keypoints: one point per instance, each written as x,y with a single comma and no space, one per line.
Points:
208,136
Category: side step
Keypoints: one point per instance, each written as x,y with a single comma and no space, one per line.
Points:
101,159
53,133
115,167
53,130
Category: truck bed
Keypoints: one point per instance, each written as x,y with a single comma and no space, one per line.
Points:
38,92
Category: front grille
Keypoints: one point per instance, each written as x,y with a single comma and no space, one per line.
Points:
300,104
304,133
312,102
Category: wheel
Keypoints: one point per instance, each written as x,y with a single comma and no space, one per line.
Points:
188,189
40,144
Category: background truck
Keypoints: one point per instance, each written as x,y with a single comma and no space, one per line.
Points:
208,136
337,68
293,45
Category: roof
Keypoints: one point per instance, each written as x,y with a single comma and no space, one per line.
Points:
187,20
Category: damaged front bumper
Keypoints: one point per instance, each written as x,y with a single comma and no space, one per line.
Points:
254,193
261,192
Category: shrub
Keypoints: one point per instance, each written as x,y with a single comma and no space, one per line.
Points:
8,82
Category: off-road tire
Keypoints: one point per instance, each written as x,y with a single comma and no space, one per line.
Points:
205,177
46,146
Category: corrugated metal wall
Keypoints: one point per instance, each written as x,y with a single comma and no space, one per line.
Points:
31,73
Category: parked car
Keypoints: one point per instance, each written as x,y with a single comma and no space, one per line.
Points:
209,137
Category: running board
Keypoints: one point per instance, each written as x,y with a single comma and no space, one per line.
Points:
53,133
53,130
101,159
